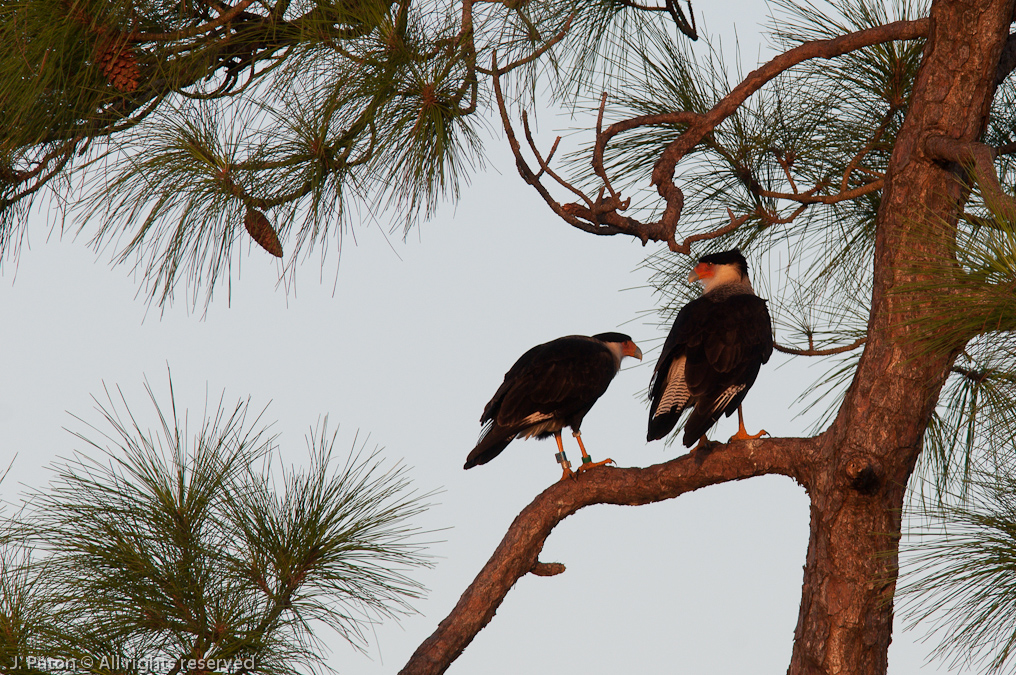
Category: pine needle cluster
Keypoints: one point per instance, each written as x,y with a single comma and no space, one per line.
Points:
170,549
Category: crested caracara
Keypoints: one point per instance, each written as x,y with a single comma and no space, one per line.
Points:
550,387
713,353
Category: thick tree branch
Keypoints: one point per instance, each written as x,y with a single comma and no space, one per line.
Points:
1007,62
517,554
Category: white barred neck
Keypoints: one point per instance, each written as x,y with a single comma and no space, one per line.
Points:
729,279
617,349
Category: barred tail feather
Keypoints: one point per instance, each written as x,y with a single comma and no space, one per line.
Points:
660,425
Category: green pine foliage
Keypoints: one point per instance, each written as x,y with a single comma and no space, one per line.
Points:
172,545
959,582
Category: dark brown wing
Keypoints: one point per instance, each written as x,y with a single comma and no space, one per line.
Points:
553,384
719,346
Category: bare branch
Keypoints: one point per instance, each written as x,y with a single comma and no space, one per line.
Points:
224,18
685,247
684,24
545,164
600,215
523,167
811,351
1007,149
550,155
785,165
772,219
496,72
518,552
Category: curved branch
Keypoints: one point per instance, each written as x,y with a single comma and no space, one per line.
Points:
518,552
496,71
527,173
811,351
825,49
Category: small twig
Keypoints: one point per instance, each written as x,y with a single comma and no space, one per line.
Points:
811,351
643,8
495,71
781,158
598,167
550,155
542,569
875,138
195,30
810,198
520,162
685,247
975,376
770,218
544,165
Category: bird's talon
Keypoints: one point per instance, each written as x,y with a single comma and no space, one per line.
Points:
745,436
586,466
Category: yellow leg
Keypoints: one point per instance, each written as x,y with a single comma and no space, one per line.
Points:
587,461
742,433
562,460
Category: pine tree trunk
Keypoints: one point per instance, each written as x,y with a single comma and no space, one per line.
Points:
870,451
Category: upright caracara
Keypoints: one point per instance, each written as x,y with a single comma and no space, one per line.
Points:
550,387
713,353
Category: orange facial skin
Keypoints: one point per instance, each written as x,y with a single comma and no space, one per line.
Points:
632,349
702,271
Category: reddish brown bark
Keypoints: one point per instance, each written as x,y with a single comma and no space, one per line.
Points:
870,451
518,552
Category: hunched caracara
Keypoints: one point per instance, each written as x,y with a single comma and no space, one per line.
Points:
551,386
713,353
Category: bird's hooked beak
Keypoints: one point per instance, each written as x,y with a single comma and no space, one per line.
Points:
632,349
701,272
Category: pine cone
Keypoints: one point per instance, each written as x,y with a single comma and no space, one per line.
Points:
119,64
261,231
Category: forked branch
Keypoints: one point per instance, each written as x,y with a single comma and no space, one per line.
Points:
602,214
517,554
599,215
980,159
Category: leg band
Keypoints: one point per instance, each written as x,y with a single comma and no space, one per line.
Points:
560,457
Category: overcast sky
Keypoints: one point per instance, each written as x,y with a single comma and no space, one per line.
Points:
403,342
